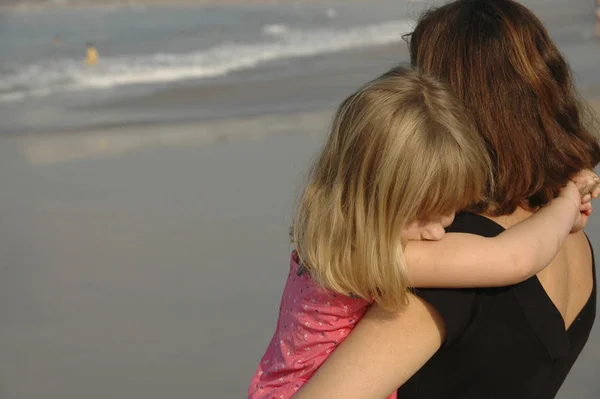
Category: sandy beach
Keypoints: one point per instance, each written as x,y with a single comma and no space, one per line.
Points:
149,268
145,258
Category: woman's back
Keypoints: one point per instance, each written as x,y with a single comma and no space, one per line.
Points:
510,342
568,280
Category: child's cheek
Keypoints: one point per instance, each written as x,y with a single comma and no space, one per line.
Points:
411,232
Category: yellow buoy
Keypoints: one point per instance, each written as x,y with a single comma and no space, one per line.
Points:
92,55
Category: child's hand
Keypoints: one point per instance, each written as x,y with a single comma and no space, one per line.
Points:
583,187
588,183
581,210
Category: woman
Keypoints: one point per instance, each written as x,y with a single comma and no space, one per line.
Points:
514,342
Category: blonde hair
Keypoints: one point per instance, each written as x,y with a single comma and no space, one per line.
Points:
400,149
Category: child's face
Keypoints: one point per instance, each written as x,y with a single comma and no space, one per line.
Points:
431,230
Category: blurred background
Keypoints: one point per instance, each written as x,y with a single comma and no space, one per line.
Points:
150,156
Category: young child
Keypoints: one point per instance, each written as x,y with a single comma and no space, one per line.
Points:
400,160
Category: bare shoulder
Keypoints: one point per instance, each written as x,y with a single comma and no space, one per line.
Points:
569,279
578,251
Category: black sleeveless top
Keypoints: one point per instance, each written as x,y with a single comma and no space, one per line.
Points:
507,342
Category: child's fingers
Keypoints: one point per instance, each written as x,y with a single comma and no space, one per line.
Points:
583,184
587,182
586,198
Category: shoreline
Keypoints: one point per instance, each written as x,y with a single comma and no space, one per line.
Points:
60,147
125,128
264,90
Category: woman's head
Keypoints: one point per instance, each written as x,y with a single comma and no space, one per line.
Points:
501,63
400,150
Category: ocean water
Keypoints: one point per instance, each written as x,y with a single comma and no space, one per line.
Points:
147,50
146,46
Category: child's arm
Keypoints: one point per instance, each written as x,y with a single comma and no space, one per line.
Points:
466,260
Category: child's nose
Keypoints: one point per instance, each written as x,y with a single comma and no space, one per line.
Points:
447,220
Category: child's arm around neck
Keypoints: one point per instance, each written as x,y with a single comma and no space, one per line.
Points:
466,260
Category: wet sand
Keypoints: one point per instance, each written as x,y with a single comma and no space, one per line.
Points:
141,264
144,271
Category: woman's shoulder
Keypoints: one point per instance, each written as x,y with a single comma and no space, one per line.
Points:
456,305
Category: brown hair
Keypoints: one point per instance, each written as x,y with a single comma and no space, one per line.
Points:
501,63
400,149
